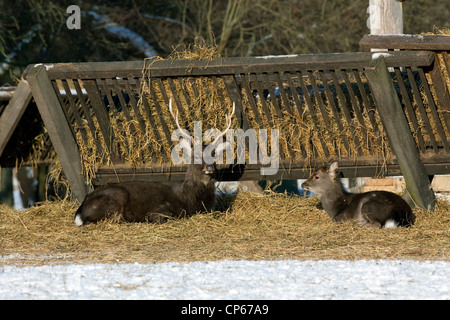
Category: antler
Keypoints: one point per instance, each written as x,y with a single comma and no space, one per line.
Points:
228,127
228,118
176,121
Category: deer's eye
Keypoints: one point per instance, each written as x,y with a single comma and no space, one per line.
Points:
316,177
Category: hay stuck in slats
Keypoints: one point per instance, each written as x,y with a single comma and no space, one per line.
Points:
141,132
267,226
319,114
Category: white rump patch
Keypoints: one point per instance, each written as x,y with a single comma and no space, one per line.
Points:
78,221
390,224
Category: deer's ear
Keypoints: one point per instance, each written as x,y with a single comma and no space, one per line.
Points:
332,169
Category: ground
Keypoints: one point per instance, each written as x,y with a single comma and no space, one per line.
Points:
266,241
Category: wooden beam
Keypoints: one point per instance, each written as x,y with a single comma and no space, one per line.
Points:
58,129
399,134
405,42
232,66
13,113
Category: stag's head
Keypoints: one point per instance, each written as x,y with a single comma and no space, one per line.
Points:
204,161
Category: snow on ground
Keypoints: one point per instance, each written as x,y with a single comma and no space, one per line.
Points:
288,279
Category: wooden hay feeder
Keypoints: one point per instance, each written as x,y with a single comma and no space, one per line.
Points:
108,121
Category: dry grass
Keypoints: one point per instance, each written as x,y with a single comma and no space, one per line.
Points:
256,227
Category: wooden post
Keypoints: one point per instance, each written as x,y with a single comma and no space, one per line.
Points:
386,17
58,129
399,134
13,113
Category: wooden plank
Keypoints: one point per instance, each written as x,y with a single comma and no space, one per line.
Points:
58,129
345,109
299,109
102,116
75,113
365,166
442,94
367,106
251,100
421,108
407,42
235,96
409,109
356,107
399,134
13,112
434,113
312,113
260,92
271,64
234,65
87,115
336,115
137,112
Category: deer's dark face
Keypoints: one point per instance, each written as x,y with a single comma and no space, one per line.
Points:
209,169
205,170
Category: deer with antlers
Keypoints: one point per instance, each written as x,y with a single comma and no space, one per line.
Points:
144,201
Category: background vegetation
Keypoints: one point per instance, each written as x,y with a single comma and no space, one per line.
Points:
34,31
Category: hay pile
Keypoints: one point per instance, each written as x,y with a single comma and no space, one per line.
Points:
303,132
257,226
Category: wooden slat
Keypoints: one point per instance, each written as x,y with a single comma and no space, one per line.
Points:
176,103
87,115
356,106
251,100
299,109
58,129
334,110
440,88
75,113
345,109
409,109
13,112
102,116
289,170
408,42
433,110
312,112
158,106
276,63
235,65
235,97
421,108
137,112
366,103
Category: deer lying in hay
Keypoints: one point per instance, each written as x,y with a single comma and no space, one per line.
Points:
370,209
143,201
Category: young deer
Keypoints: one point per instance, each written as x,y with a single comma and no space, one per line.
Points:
143,201
370,209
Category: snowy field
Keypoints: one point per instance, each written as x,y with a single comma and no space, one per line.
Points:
289,279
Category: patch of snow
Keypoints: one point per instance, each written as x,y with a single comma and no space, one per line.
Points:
286,279
399,35
124,33
380,54
280,56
